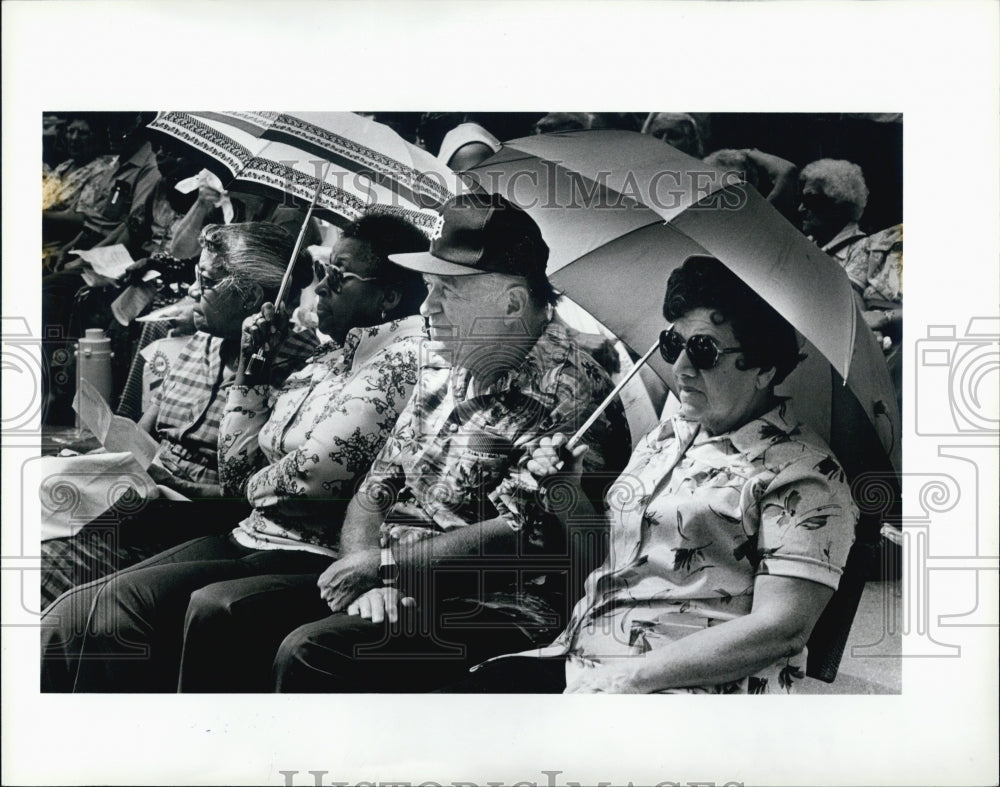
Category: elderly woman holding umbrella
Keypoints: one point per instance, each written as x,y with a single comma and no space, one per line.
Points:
730,526
240,267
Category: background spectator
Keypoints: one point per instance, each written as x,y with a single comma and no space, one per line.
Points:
677,129
578,121
80,179
773,177
833,196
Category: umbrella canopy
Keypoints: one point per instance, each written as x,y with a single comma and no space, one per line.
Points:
621,210
276,154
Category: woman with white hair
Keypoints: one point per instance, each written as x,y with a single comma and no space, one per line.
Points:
833,197
241,266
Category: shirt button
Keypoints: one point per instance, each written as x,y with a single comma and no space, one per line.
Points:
453,427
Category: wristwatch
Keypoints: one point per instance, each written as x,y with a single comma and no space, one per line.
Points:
388,570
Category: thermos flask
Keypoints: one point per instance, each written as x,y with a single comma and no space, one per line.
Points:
93,362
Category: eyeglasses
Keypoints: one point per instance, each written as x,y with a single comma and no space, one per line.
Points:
205,282
703,350
336,276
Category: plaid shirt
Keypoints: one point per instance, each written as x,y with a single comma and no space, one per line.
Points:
193,397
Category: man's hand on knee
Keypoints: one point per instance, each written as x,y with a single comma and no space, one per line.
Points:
349,578
380,603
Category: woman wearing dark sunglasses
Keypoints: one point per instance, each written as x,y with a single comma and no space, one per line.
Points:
730,526
295,453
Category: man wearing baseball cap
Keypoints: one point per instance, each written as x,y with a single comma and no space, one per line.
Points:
446,556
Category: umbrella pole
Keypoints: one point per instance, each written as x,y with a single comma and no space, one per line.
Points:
256,362
575,439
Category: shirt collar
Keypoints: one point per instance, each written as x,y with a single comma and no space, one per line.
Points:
850,232
375,338
551,347
751,439
554,340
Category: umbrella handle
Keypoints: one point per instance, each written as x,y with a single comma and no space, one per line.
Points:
574,441
256,362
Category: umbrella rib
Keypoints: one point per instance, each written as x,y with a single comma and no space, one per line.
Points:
562,168
656,220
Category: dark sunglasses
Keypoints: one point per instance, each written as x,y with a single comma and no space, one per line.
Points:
703,350
335,275
815,201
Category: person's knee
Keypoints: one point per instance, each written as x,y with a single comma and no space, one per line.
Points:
213,602
293,647
107,613
291,658
63,618
92,605
324,647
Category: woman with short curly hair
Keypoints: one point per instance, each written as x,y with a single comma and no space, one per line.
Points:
730,527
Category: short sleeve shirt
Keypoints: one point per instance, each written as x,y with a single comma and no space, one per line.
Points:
453,458
66,185
695,519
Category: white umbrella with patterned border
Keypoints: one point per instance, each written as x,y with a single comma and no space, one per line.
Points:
277,154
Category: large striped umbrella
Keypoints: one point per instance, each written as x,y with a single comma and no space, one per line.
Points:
278,154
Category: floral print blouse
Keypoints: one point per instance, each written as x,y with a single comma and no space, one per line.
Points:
875,266
694,520
297,452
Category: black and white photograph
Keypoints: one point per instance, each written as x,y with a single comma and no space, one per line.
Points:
350,437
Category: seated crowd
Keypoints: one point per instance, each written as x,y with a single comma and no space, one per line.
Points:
390,501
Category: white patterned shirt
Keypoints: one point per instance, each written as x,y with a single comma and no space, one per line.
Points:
317,436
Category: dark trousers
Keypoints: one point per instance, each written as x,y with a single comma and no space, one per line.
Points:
425,650
120,538
125,633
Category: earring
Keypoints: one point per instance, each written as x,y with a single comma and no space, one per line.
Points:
383,315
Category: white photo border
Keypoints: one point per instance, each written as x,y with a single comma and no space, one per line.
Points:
936,62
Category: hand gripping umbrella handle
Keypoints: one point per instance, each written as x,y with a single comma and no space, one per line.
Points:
574,441
256,362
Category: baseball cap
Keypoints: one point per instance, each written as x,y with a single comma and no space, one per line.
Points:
481,233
